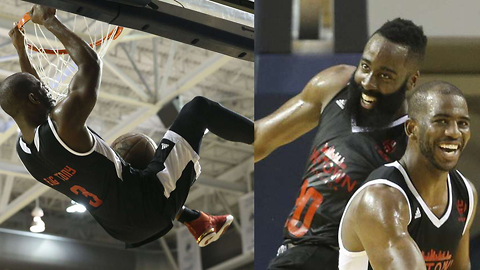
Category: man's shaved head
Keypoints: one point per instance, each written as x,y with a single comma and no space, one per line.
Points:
22,96
14,92
417,103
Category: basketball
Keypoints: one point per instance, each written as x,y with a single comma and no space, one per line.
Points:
135,148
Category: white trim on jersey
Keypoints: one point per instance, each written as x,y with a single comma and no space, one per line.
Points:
105,150
24,147
36,140
178,158
349,260
99,146
54,130
470,201
358,129
433,218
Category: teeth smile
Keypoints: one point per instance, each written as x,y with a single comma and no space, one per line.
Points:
449,146
368,98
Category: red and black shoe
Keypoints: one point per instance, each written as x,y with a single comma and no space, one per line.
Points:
207,228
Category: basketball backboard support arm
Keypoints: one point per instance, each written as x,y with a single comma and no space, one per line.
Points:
245,5
169,21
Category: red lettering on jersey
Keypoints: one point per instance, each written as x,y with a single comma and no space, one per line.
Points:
441,260
462,208
296,226
329,161
439,265
96,201
65,174
329,167
51,181
350,185
313,157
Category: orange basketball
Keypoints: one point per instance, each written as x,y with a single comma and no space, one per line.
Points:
135,148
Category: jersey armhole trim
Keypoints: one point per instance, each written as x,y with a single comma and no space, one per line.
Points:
470,201
54,131
373,182
24,146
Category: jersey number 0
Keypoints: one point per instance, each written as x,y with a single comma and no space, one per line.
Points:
310,197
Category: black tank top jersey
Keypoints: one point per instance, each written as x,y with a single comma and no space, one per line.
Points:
341,158
126,202
437,237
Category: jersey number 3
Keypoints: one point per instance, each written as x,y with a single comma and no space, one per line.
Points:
96,202
310,197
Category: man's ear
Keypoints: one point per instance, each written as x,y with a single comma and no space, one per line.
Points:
411,129
33,98
412,82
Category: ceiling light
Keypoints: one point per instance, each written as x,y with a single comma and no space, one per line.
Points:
75,207
37,225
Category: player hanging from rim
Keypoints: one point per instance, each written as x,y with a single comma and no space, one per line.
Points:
362,110
416,213
60,151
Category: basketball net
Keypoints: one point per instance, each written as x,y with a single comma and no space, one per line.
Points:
48,56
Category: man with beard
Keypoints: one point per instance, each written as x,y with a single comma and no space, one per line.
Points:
416,213
59,150
360,112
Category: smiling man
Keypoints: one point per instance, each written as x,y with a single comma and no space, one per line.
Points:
360,111
416,213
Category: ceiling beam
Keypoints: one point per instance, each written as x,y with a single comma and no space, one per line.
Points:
185,83
222,185
231,175
136,88
6,192
23,200
4,136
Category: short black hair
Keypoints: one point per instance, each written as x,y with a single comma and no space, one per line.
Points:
416,102
405,32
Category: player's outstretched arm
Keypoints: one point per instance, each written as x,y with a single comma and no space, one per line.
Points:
18,43
74,110
461,260
381,217
301,113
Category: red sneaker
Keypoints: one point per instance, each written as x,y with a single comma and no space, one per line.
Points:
207,228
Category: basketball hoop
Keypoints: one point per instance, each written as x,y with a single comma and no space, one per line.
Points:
49,57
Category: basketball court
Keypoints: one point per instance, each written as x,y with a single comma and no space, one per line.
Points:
146,79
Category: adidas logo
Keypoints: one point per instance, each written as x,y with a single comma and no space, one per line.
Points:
165,145
417,213
341,103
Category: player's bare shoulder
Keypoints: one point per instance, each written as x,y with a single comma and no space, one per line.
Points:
379,201
326,84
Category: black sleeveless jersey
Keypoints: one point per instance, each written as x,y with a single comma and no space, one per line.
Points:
342,156
437,238
126,202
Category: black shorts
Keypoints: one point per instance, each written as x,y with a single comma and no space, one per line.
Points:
306,257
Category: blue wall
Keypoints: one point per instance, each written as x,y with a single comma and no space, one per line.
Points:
277,178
